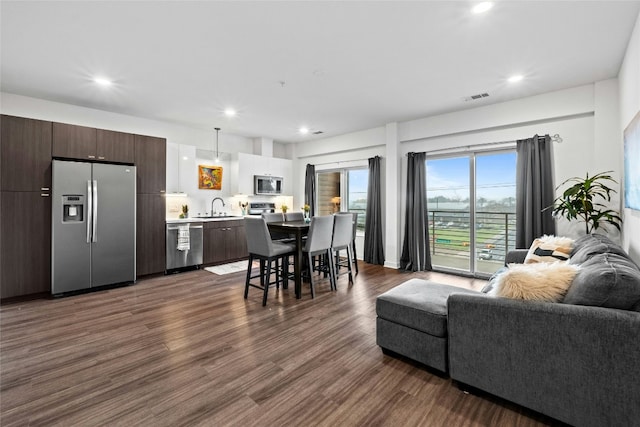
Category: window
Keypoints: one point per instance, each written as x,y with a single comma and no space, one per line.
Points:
471,210
340,190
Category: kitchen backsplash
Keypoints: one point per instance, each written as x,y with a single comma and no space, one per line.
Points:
202,206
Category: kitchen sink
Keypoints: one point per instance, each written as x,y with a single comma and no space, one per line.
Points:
215,216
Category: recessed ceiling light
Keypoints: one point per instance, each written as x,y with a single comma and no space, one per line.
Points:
230,112
516,78
482,7
102,81
303,130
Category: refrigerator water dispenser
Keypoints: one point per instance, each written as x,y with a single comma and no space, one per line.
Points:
72,208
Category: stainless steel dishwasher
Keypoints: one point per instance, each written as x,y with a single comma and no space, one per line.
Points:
191,253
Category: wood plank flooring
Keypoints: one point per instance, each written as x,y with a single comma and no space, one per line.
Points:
187,349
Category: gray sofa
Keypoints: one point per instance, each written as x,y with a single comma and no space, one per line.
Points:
576,361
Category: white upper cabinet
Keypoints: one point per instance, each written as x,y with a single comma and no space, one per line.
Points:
173,179
245,166
182,174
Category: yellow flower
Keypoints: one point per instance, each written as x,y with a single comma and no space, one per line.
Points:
306,208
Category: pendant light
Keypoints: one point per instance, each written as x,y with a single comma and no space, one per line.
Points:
217,153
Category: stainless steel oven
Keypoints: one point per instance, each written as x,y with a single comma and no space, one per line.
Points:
258,208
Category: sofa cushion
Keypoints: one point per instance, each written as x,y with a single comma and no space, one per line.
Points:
538,282
418,304
593,244
491,284
606,280
549,249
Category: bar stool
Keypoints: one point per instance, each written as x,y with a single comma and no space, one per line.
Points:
263,248
275,217
319,243
342,238
353,242
294,216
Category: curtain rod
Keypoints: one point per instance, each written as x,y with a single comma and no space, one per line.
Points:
555,138
341,161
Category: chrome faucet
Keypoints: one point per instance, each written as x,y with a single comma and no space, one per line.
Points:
213,201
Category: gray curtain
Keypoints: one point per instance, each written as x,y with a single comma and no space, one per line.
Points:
534,190
416,254
310,188
373,244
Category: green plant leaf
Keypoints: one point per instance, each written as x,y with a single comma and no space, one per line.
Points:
582,200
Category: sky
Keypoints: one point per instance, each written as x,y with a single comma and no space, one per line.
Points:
358,181
495,176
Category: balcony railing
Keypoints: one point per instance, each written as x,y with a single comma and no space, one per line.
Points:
450,234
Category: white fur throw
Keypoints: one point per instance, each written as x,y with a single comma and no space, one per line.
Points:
549,249
541,282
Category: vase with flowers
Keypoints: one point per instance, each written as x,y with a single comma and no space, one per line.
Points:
306,209
284,208
243,207
185,212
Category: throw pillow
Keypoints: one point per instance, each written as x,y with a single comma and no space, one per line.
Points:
492,280
606,280
539,282
593,244
549,249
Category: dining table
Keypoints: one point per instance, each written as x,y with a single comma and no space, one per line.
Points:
299,229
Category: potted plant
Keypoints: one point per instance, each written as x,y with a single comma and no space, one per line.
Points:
284,208
584,201
185,211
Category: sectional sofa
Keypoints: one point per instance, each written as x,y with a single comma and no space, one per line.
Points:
577,360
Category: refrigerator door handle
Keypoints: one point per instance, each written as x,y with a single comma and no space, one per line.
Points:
94,232
90,211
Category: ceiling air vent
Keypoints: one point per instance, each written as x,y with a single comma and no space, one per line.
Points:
318,132
475,97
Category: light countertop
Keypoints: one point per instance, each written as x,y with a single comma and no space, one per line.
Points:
200,219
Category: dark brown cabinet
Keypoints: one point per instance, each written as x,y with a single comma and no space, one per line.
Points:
25,206
25,150
115,146
84,143
151,160
25,249
150,234
74,142
224,241
239,245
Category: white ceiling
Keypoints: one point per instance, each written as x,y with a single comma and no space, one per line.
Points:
346,66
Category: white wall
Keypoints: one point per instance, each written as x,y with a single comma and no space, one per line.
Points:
629,79
586,117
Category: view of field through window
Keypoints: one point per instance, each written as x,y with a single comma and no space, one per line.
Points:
471,210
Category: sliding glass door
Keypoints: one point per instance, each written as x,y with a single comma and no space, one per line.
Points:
471,209
343,190
448,196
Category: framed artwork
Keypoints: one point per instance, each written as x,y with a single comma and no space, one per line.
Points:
210,177
632,164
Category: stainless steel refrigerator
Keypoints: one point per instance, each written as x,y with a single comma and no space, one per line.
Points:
93,225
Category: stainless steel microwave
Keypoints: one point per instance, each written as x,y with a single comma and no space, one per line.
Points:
267,185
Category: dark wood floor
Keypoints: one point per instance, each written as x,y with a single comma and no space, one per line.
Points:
187,349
